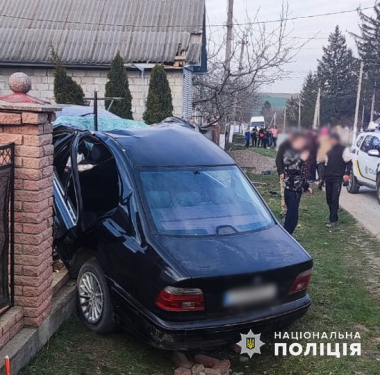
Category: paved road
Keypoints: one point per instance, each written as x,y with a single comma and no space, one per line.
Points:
364,207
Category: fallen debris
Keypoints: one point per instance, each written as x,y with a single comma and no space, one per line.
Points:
213,371
182,371
204,365
205,360
180,360
197,369
223,366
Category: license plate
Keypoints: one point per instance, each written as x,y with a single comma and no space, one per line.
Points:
244,296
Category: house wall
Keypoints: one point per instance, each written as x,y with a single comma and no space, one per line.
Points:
91,80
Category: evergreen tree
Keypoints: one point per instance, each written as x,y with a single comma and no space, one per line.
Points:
267,112
118,86
66,90
368,44
159,103
308,100
337,80
292,110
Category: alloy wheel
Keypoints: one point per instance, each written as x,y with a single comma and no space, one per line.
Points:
90,297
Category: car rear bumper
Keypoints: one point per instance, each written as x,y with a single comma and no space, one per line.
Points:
211,332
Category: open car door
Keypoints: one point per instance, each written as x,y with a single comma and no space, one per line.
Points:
67,193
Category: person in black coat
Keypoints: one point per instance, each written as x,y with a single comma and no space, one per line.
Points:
338,168
254,137
286,145
295,179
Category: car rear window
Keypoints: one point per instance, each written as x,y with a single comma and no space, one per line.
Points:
203,201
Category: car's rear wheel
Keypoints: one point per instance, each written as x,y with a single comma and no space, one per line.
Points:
378,188
353,185
93,298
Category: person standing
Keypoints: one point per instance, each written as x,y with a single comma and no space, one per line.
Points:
275,135
247,138
338,168
261,138
324,146
281,170
295,180
265,138
270,138
254,137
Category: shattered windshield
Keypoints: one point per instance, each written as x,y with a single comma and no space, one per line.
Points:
203,201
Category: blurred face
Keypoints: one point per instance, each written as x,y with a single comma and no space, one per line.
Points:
298,143
334,141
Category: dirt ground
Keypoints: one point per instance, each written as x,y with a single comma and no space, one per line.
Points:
252,161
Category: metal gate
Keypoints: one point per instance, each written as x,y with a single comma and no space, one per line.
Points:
6,227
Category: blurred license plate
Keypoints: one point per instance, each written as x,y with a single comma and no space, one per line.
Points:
255,294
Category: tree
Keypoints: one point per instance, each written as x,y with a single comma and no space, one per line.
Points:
118,86
308,94
267,111
159,103
258,55
66,90
292,110
368,43
337,79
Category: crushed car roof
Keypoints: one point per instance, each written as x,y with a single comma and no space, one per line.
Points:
169,146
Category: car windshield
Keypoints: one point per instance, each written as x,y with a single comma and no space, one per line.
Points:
203,201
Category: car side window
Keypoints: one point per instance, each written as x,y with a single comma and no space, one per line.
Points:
376,143
367,144
359,141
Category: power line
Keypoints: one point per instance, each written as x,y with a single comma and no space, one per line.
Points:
183,26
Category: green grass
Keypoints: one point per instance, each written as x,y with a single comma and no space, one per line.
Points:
344,289
269,152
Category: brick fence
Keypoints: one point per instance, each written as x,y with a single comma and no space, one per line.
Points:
29,126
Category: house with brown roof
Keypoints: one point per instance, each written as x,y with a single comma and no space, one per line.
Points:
86,34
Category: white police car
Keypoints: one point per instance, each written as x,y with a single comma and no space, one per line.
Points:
366,163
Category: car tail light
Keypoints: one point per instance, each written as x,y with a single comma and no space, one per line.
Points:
180,299
301,282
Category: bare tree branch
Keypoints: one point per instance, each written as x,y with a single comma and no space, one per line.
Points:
268,47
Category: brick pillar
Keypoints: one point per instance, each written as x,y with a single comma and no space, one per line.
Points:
29,126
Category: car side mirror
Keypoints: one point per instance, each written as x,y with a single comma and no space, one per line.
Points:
375,153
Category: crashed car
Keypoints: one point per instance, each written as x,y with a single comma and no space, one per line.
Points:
169,239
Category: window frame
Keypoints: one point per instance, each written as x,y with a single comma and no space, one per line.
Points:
367,144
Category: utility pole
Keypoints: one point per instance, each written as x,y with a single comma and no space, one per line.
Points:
243,43
299,112
230,36
373,104
358,102
363,111
284,129
316,122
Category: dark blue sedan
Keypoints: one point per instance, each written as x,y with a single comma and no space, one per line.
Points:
168,238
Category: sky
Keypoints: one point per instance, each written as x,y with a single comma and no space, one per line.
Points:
318,27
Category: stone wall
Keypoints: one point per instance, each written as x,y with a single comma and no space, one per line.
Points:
95,80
